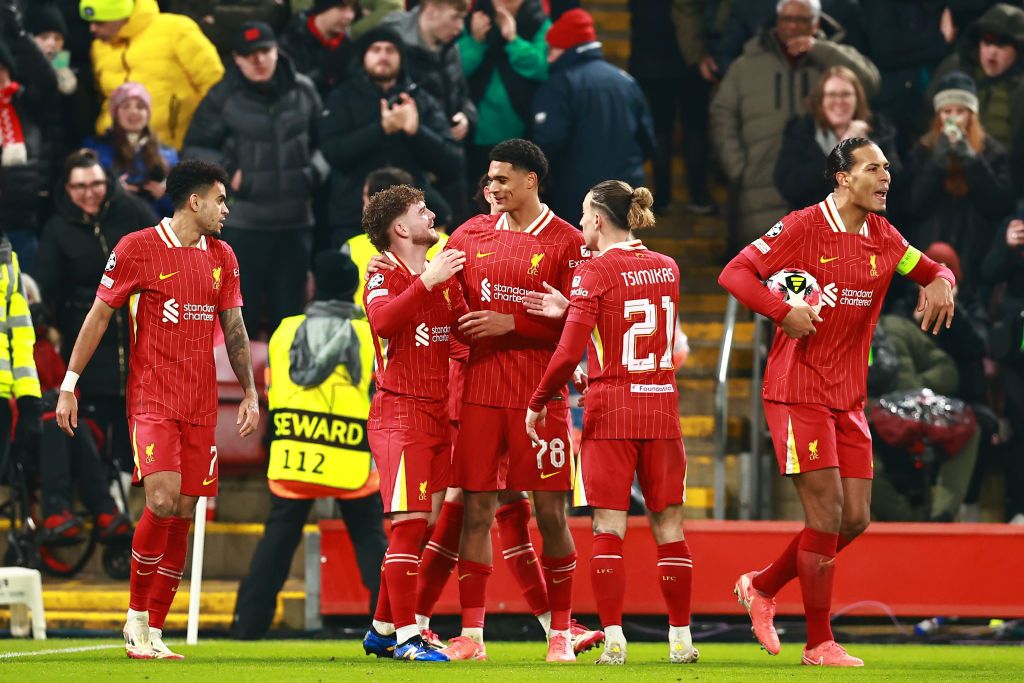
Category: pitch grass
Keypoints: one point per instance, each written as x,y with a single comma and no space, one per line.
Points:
308,661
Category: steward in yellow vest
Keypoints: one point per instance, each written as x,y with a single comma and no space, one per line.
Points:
321,366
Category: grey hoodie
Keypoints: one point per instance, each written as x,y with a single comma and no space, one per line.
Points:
325,340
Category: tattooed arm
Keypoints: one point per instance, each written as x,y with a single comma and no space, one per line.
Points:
236,339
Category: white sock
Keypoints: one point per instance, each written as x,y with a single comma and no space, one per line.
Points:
156,632
613,634
385,628
677,634
554,632
476,634
545,623
423,622
134,615
404,633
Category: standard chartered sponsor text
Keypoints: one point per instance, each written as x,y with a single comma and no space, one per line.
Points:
202,312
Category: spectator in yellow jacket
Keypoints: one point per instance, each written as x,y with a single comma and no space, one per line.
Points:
168,53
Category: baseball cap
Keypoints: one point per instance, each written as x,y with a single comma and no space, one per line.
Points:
252,36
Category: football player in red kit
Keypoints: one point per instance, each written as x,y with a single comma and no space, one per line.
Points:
623,301
815,382
178,279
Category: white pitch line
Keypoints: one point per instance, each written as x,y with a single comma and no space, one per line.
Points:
66,650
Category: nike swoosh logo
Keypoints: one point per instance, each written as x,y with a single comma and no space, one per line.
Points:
412,573
549,475
529,562
463,576
827,260
482,254
561,580
207,482
164,277
144,573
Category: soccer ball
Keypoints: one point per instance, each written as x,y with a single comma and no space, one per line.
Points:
791,284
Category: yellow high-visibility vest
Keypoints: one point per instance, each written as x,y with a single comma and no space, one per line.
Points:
318,434
361,250
18,375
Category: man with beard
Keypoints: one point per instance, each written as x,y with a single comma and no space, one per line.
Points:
378,117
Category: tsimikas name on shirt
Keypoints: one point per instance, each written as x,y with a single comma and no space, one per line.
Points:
649,276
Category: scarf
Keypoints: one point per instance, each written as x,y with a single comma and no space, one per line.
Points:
11,136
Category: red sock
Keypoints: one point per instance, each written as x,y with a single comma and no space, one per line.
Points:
783,570
473,592
558,571
816,563
608,577
168,573
401,565
675,565
439,557
383,610
513,529
148,544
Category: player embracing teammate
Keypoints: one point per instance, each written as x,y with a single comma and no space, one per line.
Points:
623,302
815,382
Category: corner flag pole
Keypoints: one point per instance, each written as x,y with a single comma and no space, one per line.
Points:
196,580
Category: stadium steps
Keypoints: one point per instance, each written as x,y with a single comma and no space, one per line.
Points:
100,606
611,21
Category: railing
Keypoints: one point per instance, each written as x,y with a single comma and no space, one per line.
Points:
755,501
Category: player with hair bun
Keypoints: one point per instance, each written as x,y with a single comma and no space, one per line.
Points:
623,301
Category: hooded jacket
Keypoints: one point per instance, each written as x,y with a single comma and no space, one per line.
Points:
266,131
327,68
585,100
1000,99
354,143
167,52
72,253
438,71
759,94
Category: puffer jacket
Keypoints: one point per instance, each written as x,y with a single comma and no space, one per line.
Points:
439,72
72,254
1000,99
759,94
266,131
167,52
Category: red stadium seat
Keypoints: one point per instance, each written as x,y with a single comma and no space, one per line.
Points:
235,454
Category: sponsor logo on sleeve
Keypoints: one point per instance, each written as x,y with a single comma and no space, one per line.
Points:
761,245
107,282
576,280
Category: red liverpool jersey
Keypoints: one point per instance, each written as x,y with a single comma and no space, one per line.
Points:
854,270
412,331
174,295
502,265
628,295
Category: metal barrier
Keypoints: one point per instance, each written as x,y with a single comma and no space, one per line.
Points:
722,404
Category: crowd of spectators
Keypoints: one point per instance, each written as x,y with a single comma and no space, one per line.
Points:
302,100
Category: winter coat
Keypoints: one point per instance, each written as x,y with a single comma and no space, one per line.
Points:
592,121
503,77
266,131
72,254
800,169
922,363
698,25
759,94
21,185
137,174
967,223
354,143
327,68
1000,99
653,48
170,55
371,14
904,34
439,71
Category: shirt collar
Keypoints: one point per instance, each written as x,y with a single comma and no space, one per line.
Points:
169,238
832,217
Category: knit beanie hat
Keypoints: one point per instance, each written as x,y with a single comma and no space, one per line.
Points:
42,18
956,87
125,92
334,276
573,28
381,34
105,10
324,5
944,253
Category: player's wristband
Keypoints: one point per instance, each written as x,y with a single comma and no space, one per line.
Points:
70,380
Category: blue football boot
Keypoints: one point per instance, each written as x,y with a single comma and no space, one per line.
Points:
416,650
376,644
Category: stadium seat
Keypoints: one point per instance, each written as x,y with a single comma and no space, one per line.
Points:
22,588
235,454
